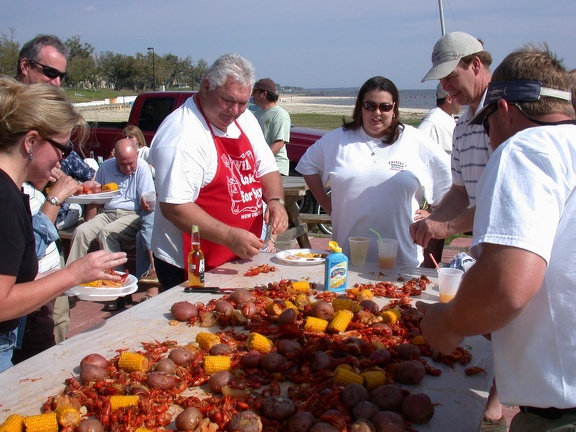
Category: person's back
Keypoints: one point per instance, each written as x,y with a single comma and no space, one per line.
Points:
438,123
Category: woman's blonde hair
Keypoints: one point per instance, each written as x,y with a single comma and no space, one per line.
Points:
40,107
134,130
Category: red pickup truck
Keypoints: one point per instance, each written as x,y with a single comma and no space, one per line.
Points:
150,109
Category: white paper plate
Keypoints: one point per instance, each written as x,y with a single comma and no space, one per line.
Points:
292,256
99,198
104,294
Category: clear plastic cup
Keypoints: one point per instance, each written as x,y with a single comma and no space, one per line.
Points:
150,198
387,250
448,282
358,250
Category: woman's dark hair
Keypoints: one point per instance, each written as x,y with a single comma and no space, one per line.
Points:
382,84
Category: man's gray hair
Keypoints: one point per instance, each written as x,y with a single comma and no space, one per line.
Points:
230,66
31,49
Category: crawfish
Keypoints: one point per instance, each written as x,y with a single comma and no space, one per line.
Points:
474,370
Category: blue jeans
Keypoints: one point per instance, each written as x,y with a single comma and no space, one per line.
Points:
7,343
143,240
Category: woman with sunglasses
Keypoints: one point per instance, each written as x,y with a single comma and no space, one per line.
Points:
35,121
379,172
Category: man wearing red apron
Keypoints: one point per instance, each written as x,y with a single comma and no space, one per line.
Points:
214,169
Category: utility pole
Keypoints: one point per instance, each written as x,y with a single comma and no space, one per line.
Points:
153,71
442,26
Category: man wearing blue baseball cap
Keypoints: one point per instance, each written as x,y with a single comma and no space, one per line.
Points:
521,289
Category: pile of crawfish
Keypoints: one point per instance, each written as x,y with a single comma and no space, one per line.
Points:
305,374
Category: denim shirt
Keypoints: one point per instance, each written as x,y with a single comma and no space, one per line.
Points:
45,232
75,167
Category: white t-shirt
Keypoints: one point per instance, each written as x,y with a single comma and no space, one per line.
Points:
439,125
381,192
527,200
184,156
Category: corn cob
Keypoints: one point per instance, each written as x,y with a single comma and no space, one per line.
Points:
340,303
141,429
131,362
315,324
213,364
343,376
301,301
207,340
275,308
67,416
259,343
301,286
365,294
373,379
290,305
41,423
391,316
418,340
14,423
340,321
119,401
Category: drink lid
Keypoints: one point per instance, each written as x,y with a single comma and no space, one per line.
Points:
334,246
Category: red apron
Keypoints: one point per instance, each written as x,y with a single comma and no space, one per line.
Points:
233,197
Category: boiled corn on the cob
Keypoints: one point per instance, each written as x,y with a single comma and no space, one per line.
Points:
207,340
373,379
301,286
290,305
14,423
275,308
41,423
315,324
213,364
343,376
301,301
131,362
365,294
391,316
340,321
67,416
340,303
259,343
119,401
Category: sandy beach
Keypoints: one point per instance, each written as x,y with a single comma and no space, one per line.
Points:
292,104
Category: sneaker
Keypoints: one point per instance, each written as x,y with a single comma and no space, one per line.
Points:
490,425
149,277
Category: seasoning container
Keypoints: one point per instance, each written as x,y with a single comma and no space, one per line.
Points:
336,269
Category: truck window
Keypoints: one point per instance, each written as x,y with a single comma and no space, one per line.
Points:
154,111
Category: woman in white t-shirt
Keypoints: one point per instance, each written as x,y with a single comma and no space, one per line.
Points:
379,172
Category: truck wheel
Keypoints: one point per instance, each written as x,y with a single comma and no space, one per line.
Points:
325,228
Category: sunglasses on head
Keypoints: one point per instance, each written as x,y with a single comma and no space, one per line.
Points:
65,149
383,107
49,71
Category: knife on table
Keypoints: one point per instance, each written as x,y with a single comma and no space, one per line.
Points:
209,290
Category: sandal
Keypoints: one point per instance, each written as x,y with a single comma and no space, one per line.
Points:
145,297
493,425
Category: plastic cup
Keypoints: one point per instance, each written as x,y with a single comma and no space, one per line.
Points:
150,198
449,281
387,250
358,250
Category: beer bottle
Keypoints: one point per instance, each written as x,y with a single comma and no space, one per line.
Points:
195,260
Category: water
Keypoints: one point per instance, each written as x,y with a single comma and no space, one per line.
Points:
419,99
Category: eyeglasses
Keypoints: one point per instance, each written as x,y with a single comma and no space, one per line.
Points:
65,149
489,112
383,107
49,71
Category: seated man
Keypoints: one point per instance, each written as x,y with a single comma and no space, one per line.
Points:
119,221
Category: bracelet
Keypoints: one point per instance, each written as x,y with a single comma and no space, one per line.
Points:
280,200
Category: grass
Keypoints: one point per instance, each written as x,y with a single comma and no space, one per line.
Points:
77,95
327,121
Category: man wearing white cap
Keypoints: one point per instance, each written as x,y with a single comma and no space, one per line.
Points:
462,65
439,123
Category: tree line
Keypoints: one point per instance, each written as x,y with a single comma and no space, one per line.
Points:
91,70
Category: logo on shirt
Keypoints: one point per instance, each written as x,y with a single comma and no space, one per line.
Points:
244,188
397,165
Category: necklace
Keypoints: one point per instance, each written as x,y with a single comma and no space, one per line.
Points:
372,149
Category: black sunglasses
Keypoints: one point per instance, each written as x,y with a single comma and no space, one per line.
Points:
489,112
49,71
65,149
383,107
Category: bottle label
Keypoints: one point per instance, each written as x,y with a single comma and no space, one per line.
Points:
337,276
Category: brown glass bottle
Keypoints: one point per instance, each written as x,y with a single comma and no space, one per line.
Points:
195,260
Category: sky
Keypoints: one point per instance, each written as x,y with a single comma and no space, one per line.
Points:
303,43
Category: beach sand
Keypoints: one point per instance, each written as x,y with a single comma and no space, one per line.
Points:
292,104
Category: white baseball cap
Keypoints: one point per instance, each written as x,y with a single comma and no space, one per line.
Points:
440,92
448,52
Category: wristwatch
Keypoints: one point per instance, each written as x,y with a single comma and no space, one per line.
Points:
53,200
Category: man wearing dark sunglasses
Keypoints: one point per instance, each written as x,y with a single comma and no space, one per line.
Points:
42,60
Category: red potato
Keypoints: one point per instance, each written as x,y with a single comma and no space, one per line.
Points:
288,347
245,421
183,311
287,316
380,357
221,349
91,373
323,427
160,380
388,421
219,379
180,356
272,362
224,307
251,359
90,425
322,310
354,393
300,422
407,351
188,419
364,410
409,372
362,425
320,360
166,365
95,360
388,397
242,296
248,309
417,408
277,408
370,305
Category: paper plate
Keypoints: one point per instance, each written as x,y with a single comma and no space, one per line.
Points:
298,256
99,198
104,294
